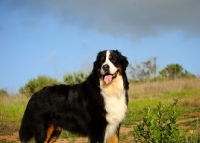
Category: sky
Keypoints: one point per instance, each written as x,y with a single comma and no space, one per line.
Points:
55,37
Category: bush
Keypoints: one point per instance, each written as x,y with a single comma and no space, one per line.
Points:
159,126
35,85
3,93
75,78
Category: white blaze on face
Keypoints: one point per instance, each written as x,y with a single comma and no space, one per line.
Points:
112,69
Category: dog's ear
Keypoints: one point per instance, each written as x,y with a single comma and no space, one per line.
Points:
95,64
123,59
96,69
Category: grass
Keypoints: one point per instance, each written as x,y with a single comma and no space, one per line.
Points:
141,95
11,111
12,108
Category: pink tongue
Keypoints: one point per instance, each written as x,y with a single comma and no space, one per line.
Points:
108,79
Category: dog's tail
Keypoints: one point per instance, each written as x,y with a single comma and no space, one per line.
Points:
25,133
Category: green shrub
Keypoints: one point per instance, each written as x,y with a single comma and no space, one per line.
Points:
159,126
75,77
35,85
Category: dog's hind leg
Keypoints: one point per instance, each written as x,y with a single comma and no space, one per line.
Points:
43,133
49,133
55,134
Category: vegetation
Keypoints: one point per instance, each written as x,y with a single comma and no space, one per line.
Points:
75,77
159,126
148,70
37,84
3,92
174,71
145,70
11,111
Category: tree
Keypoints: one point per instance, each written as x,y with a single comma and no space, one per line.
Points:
187,74
174,71
37,84
75,77
144,70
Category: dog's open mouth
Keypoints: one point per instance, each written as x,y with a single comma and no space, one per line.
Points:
109,77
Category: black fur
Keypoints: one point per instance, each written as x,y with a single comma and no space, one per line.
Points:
78,108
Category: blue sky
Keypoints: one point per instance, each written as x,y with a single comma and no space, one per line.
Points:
52,38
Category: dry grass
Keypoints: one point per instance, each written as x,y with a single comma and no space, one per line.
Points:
190,102
140,90
14,98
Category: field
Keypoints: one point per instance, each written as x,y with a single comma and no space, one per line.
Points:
141,95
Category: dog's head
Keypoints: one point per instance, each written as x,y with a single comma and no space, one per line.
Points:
109,64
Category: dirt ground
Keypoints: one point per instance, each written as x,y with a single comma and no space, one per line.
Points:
13,138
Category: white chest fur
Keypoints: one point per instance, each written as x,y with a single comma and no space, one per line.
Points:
115,104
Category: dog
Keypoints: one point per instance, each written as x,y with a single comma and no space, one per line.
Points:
93,108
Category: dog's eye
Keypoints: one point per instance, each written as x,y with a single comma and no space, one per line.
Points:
112,59
102,59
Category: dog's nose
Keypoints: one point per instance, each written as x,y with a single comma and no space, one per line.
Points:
106,67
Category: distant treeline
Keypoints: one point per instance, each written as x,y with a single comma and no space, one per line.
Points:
143,71
148,70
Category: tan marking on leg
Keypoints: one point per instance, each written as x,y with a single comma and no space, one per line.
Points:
50,130
113,139
55,134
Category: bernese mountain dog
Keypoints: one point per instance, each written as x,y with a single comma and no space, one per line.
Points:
94,108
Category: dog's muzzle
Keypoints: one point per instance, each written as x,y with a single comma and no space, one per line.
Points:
108,78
